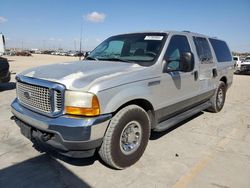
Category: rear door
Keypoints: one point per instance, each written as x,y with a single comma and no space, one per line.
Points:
207,70
223,57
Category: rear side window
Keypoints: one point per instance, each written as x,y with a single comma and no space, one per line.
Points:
221,50
203,49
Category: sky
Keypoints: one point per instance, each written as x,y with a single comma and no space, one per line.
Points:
57,24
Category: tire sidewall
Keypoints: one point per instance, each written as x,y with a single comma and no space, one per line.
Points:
222,87
119,158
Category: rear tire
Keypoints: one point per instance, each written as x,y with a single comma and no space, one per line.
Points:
218,98
126,137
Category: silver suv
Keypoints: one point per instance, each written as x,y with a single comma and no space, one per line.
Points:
128,86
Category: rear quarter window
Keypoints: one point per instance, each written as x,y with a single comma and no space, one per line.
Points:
221,50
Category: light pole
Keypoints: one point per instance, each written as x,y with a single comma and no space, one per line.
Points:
80,41
75,44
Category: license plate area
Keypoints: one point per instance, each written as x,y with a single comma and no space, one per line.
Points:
25,130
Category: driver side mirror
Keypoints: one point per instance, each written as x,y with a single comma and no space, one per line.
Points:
86,54
184,64
187,62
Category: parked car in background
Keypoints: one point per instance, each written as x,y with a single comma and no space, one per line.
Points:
53,53
79,54
71,53
130,85
49,52
63,53
237,61
23,53
9,52
56,53
245,65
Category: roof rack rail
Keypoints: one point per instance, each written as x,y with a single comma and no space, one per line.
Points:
186,31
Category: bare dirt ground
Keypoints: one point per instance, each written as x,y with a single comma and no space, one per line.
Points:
207,151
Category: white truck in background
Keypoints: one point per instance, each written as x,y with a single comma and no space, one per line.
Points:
2,44
4,64
241,65
245,65
237,62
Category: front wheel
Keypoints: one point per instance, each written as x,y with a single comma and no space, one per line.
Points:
126,137
218,98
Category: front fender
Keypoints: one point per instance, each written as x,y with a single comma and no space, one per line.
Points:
110,100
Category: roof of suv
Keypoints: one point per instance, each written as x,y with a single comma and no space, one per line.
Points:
172,32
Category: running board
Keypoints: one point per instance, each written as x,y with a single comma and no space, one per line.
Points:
181,117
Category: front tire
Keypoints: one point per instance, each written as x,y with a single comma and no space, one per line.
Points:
126,137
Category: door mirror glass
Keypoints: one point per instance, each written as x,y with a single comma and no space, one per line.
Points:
86,54
173,65
184,63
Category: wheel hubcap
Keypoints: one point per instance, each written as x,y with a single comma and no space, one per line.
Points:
131,137
220,98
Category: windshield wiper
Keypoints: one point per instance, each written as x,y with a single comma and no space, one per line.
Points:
91,58
116,59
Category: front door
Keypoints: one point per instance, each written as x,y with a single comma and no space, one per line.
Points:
179,89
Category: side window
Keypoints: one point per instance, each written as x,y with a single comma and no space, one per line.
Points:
203,49
177,45
221,50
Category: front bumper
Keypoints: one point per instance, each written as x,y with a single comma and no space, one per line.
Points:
67,134
245,67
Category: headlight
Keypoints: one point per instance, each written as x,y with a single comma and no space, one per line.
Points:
81,103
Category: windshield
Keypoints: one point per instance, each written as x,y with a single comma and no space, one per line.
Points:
247,59
141,48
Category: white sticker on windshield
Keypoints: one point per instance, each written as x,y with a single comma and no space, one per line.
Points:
153,38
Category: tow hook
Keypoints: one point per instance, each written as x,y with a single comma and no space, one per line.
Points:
13,118
45,137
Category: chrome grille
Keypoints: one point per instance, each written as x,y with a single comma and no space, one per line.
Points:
39,98
58,101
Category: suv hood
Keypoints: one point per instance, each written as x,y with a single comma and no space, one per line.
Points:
83,75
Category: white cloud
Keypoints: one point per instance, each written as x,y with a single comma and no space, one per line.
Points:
95,17
3,19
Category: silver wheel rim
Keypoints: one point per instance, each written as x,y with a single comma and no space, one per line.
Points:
130,138
220,98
